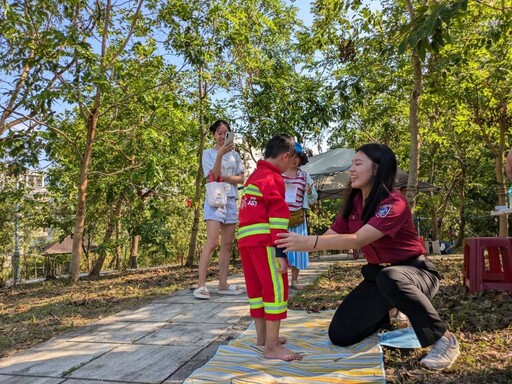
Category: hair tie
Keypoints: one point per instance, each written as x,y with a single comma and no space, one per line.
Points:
316,242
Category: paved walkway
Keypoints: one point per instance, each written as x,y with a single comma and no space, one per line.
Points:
162,342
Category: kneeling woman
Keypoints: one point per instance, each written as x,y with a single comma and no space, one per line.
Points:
377,219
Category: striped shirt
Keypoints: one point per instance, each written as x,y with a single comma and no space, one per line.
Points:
299,183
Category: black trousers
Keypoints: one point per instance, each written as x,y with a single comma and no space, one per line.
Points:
409,288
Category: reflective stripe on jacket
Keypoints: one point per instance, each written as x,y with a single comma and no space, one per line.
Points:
263,210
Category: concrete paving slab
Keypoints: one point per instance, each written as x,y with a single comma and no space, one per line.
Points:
207,353
185,334
213,313
188,298
118,332
190,366
53,359
91,381
11,379
155,312
137,363
215,296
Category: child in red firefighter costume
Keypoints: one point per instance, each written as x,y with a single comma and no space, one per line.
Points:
263,214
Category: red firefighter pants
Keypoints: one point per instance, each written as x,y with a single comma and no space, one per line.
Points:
267,289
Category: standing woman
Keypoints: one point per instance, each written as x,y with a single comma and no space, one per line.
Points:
220,163
300,193
377,219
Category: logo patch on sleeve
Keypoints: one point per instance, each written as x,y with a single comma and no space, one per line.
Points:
383,211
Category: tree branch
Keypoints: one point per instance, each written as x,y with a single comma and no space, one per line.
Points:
130,33
116,172
9,108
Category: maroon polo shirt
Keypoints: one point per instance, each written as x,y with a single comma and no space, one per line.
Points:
392,217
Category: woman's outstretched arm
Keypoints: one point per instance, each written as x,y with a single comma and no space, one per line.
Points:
329,241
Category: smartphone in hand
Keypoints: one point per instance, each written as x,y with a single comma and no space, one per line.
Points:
229,138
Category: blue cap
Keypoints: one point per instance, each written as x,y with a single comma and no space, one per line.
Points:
298,147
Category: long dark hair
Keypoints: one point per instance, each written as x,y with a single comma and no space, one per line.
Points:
385,163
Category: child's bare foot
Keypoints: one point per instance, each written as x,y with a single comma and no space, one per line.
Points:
282,353
282,340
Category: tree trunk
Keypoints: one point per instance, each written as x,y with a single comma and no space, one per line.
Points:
92,123
115,263
502,182
9,108
435,226
414,164
117,251
107,59
76,256
462,213
134,252
114,215
433,209
192,245
462,228
498,152
199,177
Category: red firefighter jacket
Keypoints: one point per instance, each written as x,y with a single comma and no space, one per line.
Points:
263,210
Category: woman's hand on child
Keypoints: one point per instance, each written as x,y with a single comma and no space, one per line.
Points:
293,242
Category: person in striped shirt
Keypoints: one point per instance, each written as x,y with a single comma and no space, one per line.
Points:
300,194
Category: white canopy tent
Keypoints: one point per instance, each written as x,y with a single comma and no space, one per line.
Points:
329,170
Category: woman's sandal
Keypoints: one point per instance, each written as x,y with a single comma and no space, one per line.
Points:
232,289
202,293
297,286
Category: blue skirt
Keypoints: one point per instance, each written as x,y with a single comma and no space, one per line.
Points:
299,260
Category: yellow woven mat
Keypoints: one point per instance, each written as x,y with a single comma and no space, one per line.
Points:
242,362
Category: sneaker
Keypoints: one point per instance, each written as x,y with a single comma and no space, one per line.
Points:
442,354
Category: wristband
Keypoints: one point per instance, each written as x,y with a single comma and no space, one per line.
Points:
280,253
316,242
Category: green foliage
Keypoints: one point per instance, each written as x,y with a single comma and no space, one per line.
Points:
344,81
429,30
461,104
322,215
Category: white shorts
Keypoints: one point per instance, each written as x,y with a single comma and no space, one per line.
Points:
225,215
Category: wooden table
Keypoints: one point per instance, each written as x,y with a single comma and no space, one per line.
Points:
502,212
507,211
